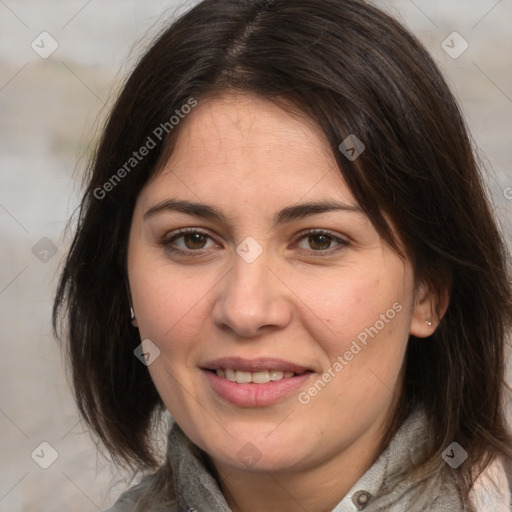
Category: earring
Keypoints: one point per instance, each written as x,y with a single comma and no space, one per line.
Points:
429,323
132,314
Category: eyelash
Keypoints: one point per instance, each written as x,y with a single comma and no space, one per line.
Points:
167,242
342,244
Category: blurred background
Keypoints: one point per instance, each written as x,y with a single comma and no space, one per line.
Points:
60,65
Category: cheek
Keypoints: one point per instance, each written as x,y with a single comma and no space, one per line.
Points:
361,321
173,314
346,305
169,304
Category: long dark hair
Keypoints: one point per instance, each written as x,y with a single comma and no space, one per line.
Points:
353,70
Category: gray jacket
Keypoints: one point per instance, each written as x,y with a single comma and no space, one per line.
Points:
378,490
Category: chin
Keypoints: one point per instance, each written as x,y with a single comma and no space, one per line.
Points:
256,462
246,453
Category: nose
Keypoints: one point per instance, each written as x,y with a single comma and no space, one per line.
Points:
252,300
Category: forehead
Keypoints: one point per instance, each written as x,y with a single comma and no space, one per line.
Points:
241,147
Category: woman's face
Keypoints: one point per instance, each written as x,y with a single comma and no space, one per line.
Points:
248,260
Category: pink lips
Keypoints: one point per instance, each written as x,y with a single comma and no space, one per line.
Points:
251,394
254,365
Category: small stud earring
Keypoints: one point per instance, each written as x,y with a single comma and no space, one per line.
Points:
429,323
132,314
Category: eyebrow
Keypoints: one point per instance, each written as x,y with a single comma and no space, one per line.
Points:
287,214
303,210
196,209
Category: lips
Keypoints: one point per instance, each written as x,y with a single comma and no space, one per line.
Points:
243,382
255,365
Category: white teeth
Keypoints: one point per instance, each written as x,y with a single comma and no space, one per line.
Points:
230,375
261,377
276,374
243,377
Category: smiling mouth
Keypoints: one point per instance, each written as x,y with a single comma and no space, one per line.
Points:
258,377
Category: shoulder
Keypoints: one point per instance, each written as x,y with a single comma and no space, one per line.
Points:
136,499
492,489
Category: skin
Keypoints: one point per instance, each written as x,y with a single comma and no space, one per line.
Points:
304,299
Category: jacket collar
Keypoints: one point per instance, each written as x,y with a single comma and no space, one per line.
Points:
197,489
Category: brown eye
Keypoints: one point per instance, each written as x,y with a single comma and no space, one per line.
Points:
188,242
319,242
195,240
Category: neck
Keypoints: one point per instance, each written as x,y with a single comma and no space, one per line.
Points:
320,487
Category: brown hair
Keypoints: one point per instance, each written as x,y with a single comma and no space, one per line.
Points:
354,70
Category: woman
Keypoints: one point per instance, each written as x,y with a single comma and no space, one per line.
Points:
285,243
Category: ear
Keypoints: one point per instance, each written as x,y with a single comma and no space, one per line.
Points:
133,317
430,306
